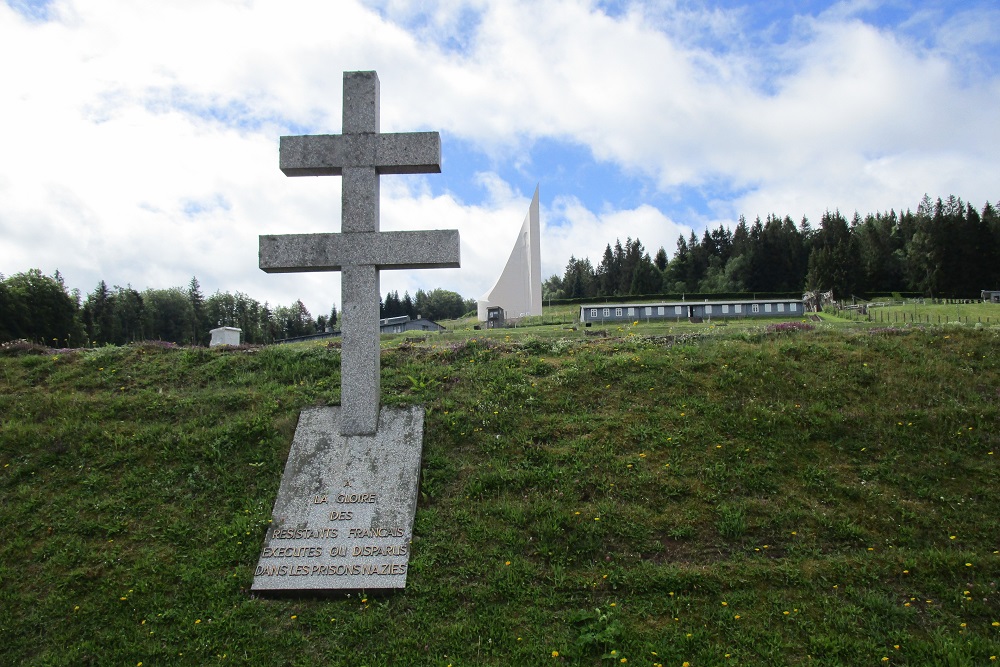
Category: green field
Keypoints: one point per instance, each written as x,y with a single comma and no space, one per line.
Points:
928,313
750,494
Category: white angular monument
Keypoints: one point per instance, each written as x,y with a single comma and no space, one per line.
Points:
518,290
343,518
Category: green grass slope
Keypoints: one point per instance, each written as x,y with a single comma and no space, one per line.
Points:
756,496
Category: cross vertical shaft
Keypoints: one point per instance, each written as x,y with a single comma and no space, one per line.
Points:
360,378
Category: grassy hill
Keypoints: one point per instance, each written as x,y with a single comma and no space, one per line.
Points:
742,495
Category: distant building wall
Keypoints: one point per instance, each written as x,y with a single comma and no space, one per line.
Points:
404,323
674,310
225,336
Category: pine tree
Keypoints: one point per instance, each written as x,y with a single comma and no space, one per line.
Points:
661,260
200,325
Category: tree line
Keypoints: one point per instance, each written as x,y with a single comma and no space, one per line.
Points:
947,248
438,304
39,308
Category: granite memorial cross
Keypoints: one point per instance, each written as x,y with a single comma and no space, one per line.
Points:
343,518
360,155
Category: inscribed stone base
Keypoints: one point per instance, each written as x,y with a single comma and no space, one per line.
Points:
343,518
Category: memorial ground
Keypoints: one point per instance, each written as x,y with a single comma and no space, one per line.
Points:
752,496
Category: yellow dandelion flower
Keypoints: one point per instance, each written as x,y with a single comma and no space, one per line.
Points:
555,654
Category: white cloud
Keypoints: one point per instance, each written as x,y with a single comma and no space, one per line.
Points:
141,140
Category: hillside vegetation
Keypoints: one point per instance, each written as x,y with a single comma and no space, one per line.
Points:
765,495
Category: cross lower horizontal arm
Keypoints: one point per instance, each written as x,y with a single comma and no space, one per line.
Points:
297,253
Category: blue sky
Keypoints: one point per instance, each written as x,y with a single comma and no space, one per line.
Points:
142,137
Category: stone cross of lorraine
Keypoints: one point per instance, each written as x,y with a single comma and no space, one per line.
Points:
360,154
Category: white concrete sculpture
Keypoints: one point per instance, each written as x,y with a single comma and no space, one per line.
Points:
518,290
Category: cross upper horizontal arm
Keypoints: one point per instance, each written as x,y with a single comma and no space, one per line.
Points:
408,153
296,253
328,154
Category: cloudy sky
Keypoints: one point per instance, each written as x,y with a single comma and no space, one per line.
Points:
140,139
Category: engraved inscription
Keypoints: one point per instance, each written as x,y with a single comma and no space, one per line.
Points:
356,498
304,534
342,521
291,552
383,569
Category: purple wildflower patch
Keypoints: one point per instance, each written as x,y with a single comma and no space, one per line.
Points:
889,331
790,326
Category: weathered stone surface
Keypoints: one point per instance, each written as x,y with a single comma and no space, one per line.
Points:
359,155
328,154
361,102
437,249
360,379
343,519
